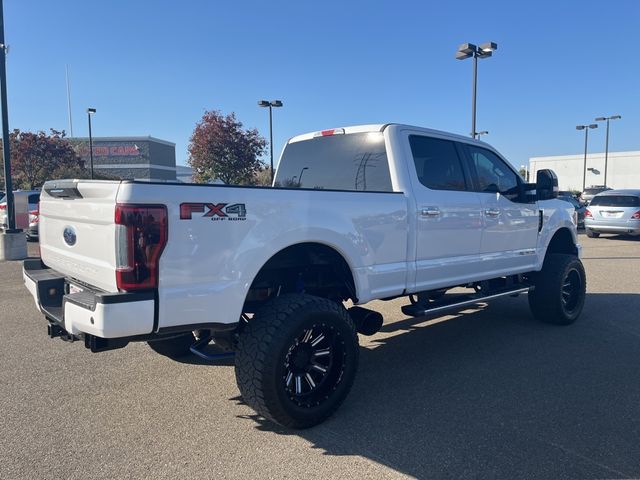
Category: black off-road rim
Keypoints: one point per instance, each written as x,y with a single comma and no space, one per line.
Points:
314,365
571,291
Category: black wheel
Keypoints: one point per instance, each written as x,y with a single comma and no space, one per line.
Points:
174,347
591,233
560,290
297,359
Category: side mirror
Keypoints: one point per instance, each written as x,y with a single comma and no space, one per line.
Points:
546,184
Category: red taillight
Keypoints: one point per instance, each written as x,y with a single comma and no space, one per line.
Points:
3,206
141,235
587,213
636,216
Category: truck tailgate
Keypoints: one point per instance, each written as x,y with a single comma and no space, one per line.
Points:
77,230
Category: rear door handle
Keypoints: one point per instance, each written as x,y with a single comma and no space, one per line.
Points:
430,212
491,212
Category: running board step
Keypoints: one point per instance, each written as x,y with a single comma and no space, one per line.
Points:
198,349
456,301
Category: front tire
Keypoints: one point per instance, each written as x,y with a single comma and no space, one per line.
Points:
297,359
560,290
591,233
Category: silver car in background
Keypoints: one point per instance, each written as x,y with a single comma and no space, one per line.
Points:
592,191
613,211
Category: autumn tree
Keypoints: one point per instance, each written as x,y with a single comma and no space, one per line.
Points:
221,149
38,157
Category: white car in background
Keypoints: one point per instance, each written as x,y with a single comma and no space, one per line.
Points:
33,200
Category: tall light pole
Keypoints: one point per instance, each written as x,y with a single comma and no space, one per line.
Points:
6,153
469,50
300,176
271,104
586,139
89,112
606,147
66,69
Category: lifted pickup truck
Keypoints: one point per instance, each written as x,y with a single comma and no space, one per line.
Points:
357,214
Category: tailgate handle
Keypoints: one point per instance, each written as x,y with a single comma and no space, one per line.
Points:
62,189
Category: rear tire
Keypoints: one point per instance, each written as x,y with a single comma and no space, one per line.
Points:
297,359
592,234
560,289
175,347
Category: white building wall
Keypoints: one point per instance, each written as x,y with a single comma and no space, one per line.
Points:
623,169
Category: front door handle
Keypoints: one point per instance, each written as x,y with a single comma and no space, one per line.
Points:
430,212
491,212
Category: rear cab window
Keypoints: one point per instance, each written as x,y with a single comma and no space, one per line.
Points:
352,161
615,201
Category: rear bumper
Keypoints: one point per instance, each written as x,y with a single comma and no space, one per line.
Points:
97,314
631,227
32,232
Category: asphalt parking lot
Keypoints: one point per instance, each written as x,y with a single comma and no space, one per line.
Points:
491,394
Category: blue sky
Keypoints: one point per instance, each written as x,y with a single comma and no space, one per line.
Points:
152,68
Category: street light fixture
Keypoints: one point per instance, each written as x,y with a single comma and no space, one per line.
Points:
606,148
271,104
469,50
300,176
586,139
484,132
89,112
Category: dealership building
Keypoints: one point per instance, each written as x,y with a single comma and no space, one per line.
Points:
623,169
135,158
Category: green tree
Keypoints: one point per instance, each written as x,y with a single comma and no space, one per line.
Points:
220,148
262,177
524,173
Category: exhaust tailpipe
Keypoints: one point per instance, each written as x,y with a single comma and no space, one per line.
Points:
368,322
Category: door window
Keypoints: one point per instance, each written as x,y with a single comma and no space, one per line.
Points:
493,174
437,163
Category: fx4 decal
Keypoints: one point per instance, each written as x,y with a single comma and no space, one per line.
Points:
214,211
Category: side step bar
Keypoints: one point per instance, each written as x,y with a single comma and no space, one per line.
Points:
198,349
457,301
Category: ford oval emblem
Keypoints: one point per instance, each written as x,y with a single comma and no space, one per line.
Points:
69,236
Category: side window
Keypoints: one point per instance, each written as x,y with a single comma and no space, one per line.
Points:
492,173
437,163
34,198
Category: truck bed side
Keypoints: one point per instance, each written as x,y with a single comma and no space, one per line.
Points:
212,257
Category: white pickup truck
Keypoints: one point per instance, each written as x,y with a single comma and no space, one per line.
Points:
355,214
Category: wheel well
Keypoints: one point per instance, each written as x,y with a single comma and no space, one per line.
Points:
562,242
311,268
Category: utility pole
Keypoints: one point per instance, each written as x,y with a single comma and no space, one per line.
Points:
89,112
66,69
606,148
13,243
6,153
